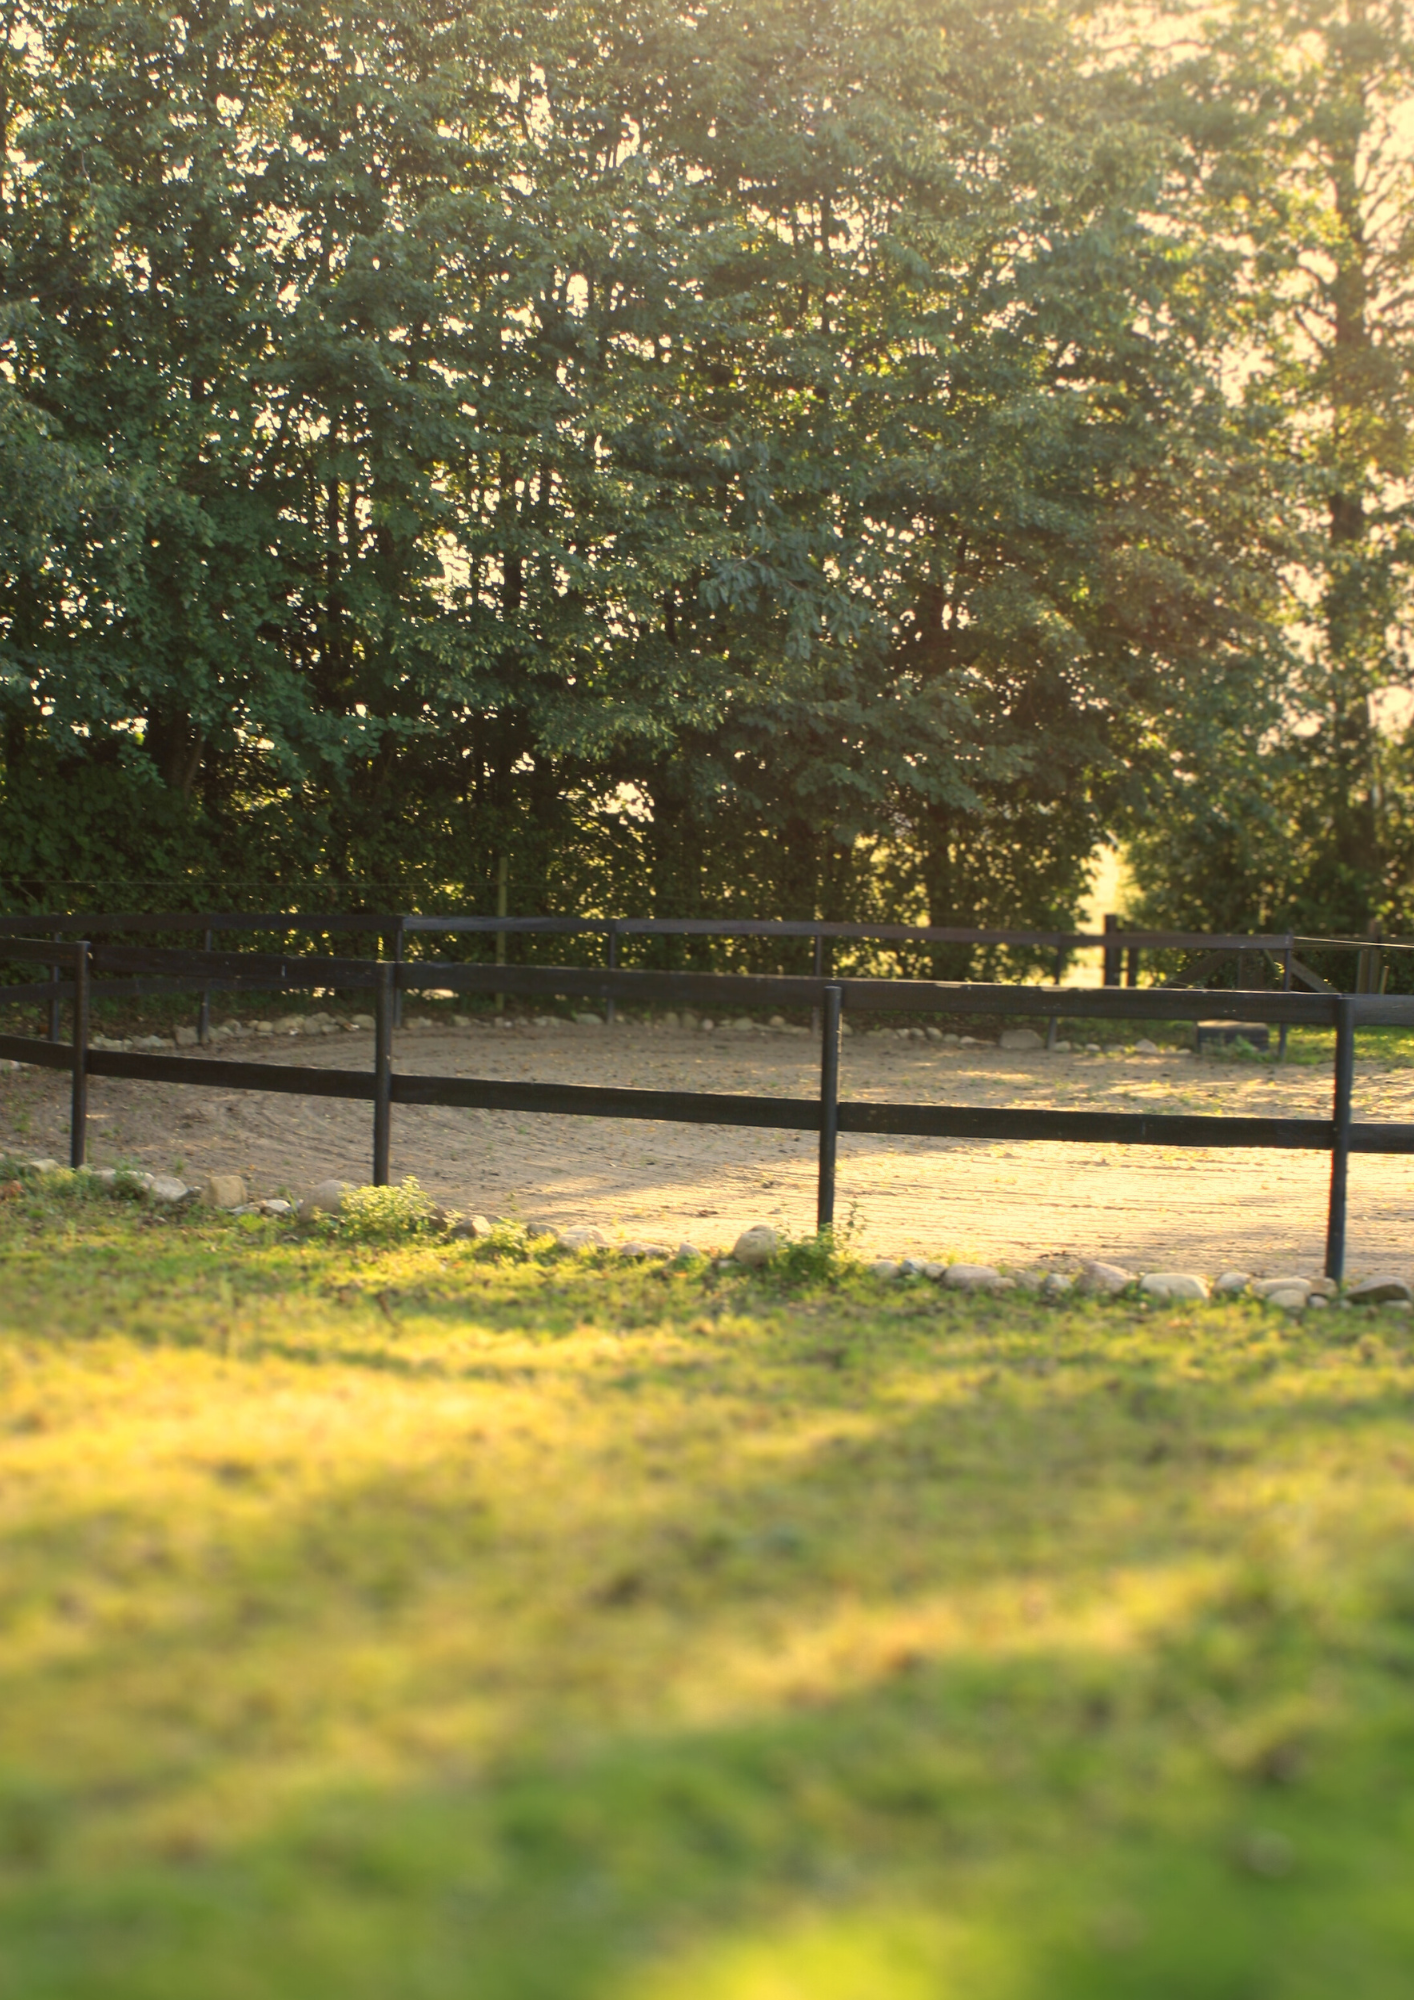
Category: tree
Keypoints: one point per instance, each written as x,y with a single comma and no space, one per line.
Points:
1300,159
766,455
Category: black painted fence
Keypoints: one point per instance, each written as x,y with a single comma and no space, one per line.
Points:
1122,949
123,969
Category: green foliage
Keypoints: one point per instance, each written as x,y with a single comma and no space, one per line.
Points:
763,457
1292,806
385,1214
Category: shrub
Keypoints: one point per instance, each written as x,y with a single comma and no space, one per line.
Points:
387,1214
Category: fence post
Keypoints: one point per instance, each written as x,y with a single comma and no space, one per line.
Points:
1367,979
78,1097
203,1019
385,993
503,877
1053,1025
613,963
829,1106
1286,988
399,934
54,972
1112,955
817,971
1340,1136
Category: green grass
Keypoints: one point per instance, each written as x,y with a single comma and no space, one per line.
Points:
449,1620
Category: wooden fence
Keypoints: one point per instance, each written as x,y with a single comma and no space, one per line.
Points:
87,968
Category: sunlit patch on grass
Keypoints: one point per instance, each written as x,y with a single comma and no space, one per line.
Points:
857,1954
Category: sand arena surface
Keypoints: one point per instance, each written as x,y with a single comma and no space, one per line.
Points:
1147,1206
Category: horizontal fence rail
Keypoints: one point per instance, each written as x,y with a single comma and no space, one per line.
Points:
1122,949
114,968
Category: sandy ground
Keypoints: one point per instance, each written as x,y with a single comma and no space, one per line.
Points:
1146,1206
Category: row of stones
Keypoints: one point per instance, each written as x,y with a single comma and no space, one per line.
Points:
1288,1293
1016,1039
226,1191
236,1031
758,1245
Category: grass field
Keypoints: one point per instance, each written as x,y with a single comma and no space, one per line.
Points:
421,1620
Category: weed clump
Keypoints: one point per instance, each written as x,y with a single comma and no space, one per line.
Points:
386,1214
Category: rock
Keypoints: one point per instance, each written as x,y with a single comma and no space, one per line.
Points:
708,1026
542,1229
638,1251
883,1267
1021,1038
1317,1301
968,1042
1062,1048
289,1024
589,1020
952,1041
777,1021
1262,1288
689,1019
186,1038
1055,1285
1288,1298
44,1166
756,1246
364,1021
1173,1285
1146,1047
167,1188
971,1278
1379,1292
265,1027
473,1226
275,1205
1390,1305
1231,1283
1092,1048
933,1270
1104,1279
107,1175
1327,1287
686,1253
912,1267
223,1191
581,1239
743,1026
326,1199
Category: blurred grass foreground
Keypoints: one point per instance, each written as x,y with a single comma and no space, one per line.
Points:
407,1620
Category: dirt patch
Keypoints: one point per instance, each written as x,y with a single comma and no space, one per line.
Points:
1150,1206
